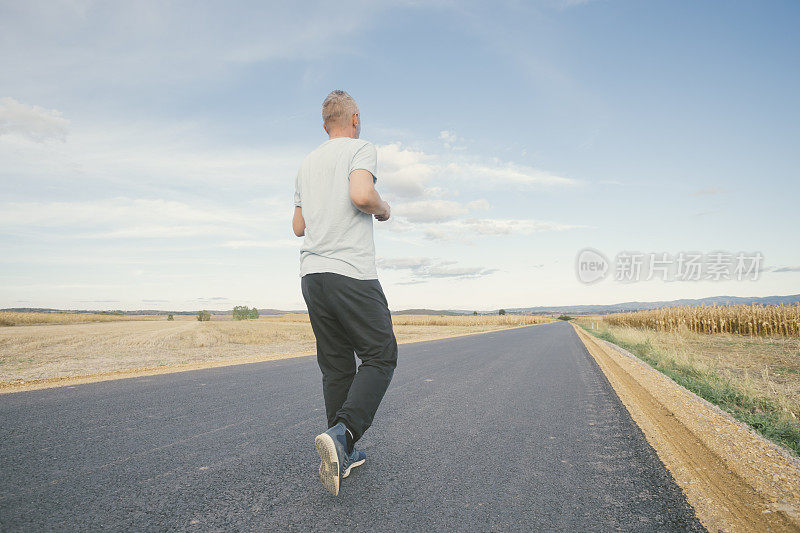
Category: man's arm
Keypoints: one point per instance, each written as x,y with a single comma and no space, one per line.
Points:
298,222
365,197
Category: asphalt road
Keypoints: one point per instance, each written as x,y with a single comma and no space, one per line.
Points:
510,431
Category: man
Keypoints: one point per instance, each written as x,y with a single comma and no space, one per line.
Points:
335,200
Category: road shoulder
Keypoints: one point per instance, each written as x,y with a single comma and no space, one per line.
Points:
735,479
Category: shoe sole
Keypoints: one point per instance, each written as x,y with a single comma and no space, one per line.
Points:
329,468
353,465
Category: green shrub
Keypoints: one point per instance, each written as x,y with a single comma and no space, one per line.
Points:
242,312
203,316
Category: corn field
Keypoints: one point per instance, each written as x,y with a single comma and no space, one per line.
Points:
752,320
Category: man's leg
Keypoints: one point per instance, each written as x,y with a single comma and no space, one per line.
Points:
335,353
361,308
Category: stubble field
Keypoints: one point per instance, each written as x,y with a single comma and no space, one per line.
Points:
56,347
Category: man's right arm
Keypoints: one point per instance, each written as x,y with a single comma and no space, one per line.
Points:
365,197
298,222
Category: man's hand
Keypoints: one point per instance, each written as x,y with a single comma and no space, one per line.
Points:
387,212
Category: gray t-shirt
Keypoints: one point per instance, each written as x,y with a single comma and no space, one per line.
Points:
338,236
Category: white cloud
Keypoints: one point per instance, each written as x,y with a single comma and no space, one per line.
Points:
148,158
506,174
122,217
436,192
277,243
440,220
404,172
487,226
156,231
482,204
112,211
467,230
786,269
31,121
426,267
408,173
422,211
430,210
451,140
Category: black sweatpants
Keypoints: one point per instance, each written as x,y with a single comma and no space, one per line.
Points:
351,316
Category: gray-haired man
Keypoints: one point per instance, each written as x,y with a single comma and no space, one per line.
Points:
335,200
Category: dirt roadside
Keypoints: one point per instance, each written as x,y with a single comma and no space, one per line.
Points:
735,479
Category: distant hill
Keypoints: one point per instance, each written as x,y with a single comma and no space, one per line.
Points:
446,312
139,311
640,306
540,310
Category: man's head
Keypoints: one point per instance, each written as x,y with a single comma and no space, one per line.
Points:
340,116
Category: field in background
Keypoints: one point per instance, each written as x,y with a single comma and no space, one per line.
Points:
756,379
58,350
12,318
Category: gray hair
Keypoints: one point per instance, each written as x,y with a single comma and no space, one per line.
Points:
337,108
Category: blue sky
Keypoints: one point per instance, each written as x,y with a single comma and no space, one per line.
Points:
148,149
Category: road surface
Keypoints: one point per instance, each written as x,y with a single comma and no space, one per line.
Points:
510,430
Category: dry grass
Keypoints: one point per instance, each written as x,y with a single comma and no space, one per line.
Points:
12,318
46,351
753,320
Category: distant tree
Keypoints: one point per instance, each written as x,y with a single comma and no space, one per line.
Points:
502,312
203,316
475,313
242,312
170,317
